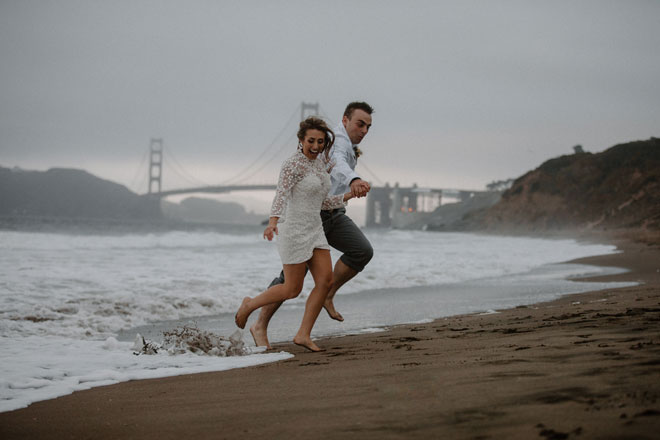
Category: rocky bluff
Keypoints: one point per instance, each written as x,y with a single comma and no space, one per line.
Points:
617,188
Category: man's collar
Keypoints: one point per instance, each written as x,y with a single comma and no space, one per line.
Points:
342,130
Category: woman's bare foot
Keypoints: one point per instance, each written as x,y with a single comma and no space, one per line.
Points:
260,336
307,343
330,308
243,313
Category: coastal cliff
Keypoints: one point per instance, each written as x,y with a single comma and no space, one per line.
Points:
618,188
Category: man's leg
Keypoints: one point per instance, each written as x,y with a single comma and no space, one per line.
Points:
345,236
259,329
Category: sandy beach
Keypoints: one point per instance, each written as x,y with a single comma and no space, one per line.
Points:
584,366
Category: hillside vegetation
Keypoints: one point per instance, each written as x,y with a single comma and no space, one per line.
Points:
617,188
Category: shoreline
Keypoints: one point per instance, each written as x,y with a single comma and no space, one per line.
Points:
585,364
372,308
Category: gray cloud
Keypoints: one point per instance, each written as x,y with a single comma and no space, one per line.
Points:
465,92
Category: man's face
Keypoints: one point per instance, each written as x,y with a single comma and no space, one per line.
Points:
357,126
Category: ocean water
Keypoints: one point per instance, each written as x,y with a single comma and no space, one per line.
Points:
68,303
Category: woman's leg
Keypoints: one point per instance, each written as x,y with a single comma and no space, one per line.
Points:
320,265
294,275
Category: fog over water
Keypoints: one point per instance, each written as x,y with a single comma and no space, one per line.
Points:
465,92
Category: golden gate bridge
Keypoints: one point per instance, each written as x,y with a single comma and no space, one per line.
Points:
387,206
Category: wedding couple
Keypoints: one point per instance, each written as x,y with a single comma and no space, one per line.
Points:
320,176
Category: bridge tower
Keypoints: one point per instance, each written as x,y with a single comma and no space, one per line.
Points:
308,106
155,164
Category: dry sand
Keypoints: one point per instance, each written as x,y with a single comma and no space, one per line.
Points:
585,366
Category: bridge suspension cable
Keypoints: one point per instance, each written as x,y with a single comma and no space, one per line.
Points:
250,171
139,172
375,177
181,171
284,145
325,115
239,176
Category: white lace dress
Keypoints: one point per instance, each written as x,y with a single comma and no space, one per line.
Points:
302,192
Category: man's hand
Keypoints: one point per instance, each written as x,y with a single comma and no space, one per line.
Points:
360,188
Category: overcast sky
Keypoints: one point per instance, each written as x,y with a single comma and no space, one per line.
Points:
465,92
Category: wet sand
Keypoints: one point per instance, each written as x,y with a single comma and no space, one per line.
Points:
584,366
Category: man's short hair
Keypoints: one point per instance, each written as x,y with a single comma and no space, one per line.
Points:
359,106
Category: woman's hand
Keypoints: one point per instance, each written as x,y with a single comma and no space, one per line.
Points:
271,229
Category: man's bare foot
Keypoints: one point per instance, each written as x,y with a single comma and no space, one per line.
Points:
260,336
330,308
307,343
243,313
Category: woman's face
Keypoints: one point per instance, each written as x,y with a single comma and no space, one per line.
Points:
313,143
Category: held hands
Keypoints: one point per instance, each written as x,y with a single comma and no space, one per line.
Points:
360,188
270,229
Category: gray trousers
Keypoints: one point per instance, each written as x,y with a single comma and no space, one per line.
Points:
345,236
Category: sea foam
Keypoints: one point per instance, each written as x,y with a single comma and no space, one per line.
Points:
64,298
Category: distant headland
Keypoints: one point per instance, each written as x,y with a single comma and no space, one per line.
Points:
618,188
60,196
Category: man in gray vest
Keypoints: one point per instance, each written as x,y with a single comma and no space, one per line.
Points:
340,231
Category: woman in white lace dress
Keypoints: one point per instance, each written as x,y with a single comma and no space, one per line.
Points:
302,191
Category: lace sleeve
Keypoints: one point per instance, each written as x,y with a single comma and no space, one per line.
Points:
290,174
333,202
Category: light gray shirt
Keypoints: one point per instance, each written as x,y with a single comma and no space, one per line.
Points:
343,157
